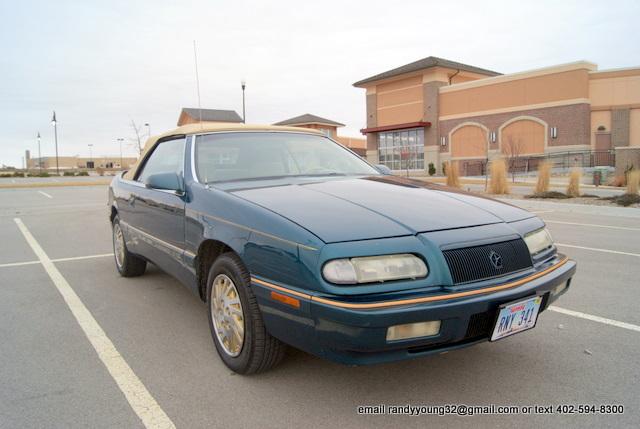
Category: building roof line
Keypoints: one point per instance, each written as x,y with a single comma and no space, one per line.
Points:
307,119
422,64
560,68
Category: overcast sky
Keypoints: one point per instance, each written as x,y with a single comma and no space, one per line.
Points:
102,65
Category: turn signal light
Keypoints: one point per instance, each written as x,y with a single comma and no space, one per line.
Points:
285,299
413,330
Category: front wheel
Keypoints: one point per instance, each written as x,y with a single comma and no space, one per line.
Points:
236,324
128,264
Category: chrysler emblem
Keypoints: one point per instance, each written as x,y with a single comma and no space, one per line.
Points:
496,259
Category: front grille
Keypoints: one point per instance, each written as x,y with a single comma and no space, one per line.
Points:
471,264
480,325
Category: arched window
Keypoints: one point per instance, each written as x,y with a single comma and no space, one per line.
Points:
523,136
469,140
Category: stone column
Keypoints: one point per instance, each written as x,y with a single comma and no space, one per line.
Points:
372,121
430,114
620,129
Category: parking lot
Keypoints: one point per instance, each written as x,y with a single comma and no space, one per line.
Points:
82,346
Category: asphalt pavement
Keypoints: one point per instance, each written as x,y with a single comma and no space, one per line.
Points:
52,374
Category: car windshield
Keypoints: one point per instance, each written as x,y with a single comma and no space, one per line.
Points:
259,155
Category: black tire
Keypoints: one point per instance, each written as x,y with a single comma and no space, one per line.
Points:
128,264
259,350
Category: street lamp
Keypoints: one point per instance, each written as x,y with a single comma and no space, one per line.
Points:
39,156
148,129
243,84
54,122
90,154
120,140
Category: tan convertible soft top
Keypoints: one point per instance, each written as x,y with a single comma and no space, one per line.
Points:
207,127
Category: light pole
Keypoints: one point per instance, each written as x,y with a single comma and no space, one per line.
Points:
39,156
243,84
91,154
120,140
148,129
54,122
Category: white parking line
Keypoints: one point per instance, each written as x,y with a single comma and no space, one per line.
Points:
541,211
45,194
593,318
141,401
18,264
595,249
594,225
79,258
74,258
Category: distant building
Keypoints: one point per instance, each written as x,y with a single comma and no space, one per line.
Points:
190,115
75,162
328,128
435,110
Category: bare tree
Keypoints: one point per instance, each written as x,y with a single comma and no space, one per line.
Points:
409,157
512,149
137,139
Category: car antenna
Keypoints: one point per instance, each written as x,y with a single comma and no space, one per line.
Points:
195,58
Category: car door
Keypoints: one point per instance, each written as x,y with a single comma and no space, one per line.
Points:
157,215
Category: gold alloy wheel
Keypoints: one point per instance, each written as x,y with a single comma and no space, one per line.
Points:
227,315
118,244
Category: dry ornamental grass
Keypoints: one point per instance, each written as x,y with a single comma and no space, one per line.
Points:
573,190
633,182
453,178
498,180
544,177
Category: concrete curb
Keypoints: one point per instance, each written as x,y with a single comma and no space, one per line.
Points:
53,184
526,184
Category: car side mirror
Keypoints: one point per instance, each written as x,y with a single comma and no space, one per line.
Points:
384,169
165,181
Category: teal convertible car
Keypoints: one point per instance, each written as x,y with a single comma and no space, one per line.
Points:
290,238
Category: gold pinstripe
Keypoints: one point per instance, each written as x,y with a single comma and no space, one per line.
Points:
412,301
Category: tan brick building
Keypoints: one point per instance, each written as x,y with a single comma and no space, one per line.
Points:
75,162
191,115
436,110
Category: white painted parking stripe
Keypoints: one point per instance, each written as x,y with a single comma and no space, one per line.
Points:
79,258
541,211
595,249
74,258
594,225
45,194
141,401
593,318
18,264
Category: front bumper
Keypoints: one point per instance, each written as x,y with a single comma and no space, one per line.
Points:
355,332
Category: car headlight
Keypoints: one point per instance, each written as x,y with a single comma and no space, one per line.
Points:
537,241
374,269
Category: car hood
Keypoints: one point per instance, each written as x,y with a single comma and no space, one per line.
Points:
377,207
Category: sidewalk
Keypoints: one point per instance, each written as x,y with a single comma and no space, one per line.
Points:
518,182
537,205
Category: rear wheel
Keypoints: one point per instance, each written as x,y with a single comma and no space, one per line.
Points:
128,264
236,324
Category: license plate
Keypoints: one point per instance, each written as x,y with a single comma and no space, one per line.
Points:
516,317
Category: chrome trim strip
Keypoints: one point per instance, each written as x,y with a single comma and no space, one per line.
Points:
266,234
194,176
132,182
